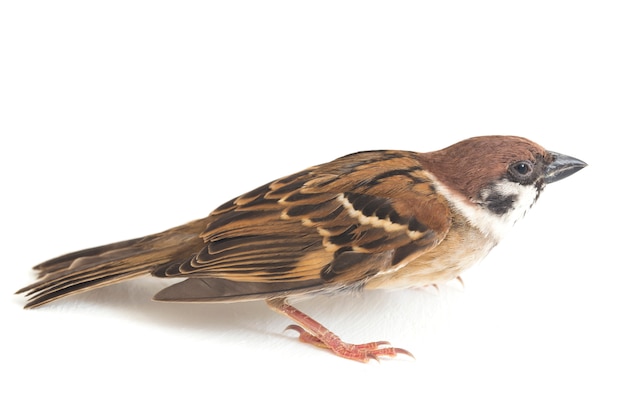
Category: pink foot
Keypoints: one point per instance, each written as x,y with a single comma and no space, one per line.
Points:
361,352
314,333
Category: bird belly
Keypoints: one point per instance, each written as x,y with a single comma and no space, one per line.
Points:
463,247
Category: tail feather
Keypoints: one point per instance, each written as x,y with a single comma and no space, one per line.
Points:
92,268
64,261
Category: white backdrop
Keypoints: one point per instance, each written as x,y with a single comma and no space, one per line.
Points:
126,118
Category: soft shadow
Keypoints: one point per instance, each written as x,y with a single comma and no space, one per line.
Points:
393,313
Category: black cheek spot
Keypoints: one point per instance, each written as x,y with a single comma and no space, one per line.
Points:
499,203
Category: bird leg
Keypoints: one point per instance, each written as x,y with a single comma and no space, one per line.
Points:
314,333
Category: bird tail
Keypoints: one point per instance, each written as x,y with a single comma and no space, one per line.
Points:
92,268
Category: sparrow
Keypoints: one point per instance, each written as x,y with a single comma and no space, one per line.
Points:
369,220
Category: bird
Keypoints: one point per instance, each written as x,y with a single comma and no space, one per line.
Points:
382,219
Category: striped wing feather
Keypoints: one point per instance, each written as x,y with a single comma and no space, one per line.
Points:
332,225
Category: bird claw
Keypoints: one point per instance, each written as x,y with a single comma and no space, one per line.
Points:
360,352
306,337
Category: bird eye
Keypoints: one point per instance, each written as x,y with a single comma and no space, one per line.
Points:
521,170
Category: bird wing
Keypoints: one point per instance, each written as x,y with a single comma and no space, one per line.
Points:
335,224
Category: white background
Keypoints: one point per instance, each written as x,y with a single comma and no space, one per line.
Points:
124,118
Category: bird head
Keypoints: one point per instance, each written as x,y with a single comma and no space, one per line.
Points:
495,180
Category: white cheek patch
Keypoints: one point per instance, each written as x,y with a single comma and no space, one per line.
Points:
492,224
524,197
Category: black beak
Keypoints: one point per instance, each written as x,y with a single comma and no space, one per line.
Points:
562,167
